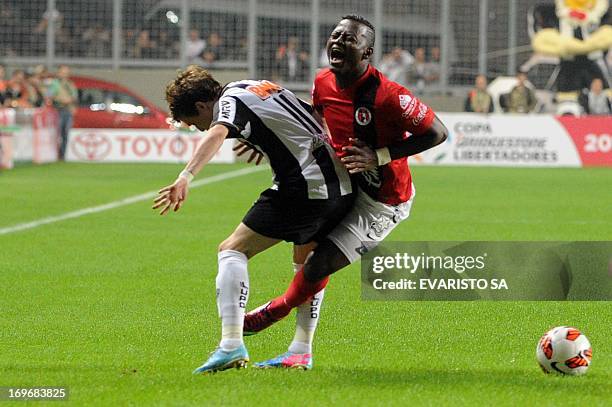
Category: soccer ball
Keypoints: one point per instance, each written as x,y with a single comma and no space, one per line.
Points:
564,350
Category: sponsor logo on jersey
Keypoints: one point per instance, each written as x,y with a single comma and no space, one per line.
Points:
363,116
227,110
405,101
421,115
265,89
408,104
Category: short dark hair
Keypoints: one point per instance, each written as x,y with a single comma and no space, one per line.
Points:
194,84
371,35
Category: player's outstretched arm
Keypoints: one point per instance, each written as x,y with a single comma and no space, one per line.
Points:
436,134
360,157
173,196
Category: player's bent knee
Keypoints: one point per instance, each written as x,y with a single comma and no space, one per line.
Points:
317,268
324,261
312,273
232,244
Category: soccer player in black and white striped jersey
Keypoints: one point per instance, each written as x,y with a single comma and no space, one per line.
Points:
311,187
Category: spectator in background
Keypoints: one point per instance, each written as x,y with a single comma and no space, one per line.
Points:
479,100
521,99
10,27
195,45
434,65
421,73
596,101
39,34
241,51
39,79
3,86
396,65
214,49
63,94
435,55
291,62
45,76
145,46
33,88
129,43
97,41
17,91
167,48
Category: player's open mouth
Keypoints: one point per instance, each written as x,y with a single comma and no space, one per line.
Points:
336,56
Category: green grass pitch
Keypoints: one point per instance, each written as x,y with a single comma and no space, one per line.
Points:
119,306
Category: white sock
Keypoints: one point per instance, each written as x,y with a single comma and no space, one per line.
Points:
306,323
232,296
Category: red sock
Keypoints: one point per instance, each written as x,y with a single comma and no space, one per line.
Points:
299,291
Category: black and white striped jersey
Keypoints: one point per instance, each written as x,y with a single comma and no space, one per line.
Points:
283,128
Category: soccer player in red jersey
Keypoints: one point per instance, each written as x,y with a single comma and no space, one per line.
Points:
374,124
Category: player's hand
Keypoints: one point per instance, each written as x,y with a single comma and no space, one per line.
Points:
242,148
359,157
172,196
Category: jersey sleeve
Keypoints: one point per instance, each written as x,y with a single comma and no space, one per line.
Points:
411,113
229,112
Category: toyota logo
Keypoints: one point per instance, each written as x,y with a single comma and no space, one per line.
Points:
91,146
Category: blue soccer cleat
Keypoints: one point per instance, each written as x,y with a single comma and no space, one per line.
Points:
288,360
222,360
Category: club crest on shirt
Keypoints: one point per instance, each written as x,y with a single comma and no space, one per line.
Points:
363,116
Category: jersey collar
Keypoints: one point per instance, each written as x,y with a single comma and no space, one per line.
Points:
369,71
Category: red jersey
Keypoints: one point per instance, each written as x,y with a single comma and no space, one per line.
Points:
380,113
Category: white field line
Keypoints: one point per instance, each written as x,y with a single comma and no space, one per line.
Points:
123,202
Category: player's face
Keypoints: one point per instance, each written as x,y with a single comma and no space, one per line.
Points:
204,117
347,47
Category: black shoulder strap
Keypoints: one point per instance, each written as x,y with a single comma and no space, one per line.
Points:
364,120
364,128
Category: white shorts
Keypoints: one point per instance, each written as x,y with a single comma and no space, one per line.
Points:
367,224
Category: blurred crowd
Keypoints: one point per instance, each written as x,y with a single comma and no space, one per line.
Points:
416,71
522,98
420,72
25,88
288,60
37,87
206,51
81,39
